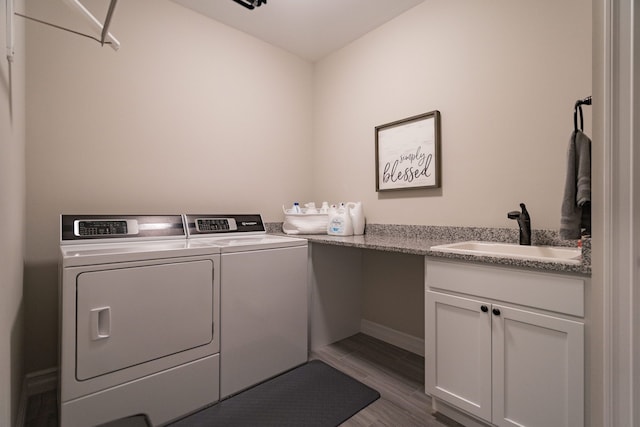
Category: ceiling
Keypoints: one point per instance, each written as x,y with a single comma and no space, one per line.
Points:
310,29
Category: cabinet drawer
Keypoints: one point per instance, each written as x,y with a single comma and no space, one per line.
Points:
552,292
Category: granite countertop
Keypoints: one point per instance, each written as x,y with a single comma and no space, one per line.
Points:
418,240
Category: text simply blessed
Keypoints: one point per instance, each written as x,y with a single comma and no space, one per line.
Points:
407,168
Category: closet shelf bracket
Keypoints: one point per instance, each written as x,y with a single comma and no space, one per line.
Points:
106,36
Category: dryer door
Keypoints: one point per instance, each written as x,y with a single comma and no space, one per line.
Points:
129,316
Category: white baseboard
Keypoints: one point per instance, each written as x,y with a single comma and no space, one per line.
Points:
35,383
391,336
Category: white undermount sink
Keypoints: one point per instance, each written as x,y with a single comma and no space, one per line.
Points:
508,250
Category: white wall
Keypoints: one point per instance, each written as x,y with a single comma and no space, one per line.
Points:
188,116
393,291
505,76
12,201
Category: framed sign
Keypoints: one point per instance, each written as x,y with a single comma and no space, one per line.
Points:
408,153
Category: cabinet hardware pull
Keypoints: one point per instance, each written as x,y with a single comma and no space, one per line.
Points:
496,312
484,308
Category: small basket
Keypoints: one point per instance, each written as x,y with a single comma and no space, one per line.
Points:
303,223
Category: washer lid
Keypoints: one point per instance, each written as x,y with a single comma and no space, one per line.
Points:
227,244
267,241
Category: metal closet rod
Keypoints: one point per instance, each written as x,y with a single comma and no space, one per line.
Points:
40,21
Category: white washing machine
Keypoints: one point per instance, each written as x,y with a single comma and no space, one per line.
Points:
139,320
264,298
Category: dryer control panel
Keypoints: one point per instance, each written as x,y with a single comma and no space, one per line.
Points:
97,228
111,227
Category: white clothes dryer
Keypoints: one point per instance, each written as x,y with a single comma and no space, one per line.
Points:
139,320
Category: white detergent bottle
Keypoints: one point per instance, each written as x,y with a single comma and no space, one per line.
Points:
340,222
357,217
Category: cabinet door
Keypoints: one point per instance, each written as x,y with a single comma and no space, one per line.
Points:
538,367
458,352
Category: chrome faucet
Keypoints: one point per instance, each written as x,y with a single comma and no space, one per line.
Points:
524,222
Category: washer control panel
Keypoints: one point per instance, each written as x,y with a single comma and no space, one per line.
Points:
213,224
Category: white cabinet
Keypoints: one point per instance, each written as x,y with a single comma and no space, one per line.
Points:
495,356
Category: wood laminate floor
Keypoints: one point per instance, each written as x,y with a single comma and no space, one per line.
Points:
396,374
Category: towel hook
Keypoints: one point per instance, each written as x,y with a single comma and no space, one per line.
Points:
585,101
578,109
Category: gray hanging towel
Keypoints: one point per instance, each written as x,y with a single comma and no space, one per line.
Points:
576,203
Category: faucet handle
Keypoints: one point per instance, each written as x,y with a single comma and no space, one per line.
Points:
516,215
